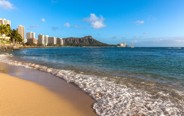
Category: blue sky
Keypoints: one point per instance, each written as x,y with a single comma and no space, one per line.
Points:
143,22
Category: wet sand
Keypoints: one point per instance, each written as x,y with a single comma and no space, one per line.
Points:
66,96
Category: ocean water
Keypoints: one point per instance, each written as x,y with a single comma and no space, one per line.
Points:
151,79
155,64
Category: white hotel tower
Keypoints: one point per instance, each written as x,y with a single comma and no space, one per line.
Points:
3,21
20,30
30,35
41,39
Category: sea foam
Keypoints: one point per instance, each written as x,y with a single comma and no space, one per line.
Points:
111,99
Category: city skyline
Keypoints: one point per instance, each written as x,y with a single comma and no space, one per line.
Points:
145,22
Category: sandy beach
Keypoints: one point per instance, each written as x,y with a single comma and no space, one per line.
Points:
40,95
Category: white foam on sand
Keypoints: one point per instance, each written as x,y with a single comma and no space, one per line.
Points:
111,99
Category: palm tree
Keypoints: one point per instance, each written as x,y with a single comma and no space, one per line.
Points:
2,31
5,30
8,30
15,36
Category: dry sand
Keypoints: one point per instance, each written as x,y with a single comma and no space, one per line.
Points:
68,92
24,98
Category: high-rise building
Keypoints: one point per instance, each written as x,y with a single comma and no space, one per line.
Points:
31,41
30,35
52,41
62,42
59,41
20,30
3,21
41,39
46,39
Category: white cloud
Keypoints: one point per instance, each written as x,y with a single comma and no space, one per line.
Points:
67,24
5,4
139,22
95,21
43,20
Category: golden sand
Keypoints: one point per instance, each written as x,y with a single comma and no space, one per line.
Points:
23,98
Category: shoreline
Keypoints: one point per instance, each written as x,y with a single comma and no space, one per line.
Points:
5,48
69,93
